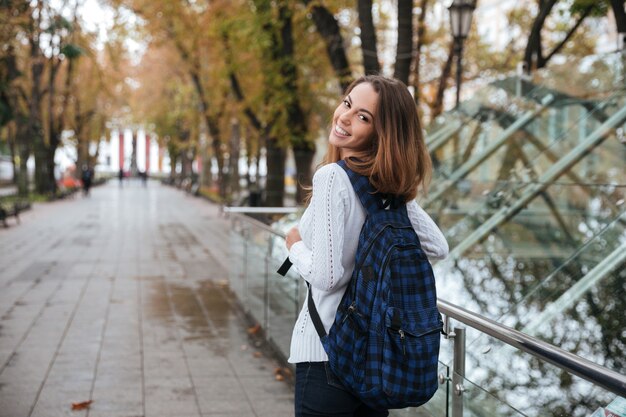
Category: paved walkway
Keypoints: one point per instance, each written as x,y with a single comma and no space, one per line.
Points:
119,298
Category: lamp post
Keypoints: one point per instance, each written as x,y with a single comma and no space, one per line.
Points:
460,22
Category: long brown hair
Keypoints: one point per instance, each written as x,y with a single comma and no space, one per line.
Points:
397,162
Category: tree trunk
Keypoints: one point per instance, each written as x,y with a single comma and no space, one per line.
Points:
249,156
207,164
211,124
405,41
216,146
23,187
296,118
173,162
42,176
82,155
421,32
533,55
328,28
35,123
275,182
133,155
55,121
303,157
620,15
23,152
437,107
368,37
52,180
12,141
257,158
192,60
233,162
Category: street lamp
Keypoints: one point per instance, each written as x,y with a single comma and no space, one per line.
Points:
460,22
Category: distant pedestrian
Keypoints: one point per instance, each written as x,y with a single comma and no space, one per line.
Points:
86,177
120,176
144,177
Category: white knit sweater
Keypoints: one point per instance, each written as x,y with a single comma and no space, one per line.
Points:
330,229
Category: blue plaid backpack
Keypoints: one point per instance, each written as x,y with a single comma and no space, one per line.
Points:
384,342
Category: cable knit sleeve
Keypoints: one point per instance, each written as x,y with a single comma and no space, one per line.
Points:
317,257
433,242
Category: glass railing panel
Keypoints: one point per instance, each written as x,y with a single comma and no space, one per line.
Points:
257,265
476,401
568,295
501,380
527,263
582,292
272,300
238,252
284,302
523,251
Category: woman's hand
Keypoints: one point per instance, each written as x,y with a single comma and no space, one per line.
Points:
293,236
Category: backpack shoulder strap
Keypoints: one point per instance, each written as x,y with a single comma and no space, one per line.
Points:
370,200
315,317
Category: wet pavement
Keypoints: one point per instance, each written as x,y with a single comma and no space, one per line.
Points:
122,298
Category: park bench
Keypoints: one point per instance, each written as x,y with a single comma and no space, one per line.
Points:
12,210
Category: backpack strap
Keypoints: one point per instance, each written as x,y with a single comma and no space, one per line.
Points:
284,268
371,201
315,317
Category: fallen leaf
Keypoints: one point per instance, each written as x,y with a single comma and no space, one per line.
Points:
282,373
254,329
83,405
257,354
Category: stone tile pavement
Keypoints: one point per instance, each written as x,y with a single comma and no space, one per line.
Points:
121,298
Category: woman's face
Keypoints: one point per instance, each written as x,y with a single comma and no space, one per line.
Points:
353,121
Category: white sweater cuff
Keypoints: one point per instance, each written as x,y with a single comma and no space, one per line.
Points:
297,254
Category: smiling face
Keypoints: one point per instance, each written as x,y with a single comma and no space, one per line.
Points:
353,121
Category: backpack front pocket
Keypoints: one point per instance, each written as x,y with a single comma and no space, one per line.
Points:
411,341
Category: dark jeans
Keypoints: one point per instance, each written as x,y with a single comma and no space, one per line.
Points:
319,393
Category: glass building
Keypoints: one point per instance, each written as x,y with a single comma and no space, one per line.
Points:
529,189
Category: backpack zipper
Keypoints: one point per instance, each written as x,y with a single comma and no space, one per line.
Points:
351,309
402,341
371,243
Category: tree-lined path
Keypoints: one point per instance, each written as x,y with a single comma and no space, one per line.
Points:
118,298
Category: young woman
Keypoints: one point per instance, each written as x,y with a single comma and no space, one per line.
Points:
376,130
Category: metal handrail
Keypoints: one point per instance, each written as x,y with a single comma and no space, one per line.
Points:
257,223
592,372
584,368
260,210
